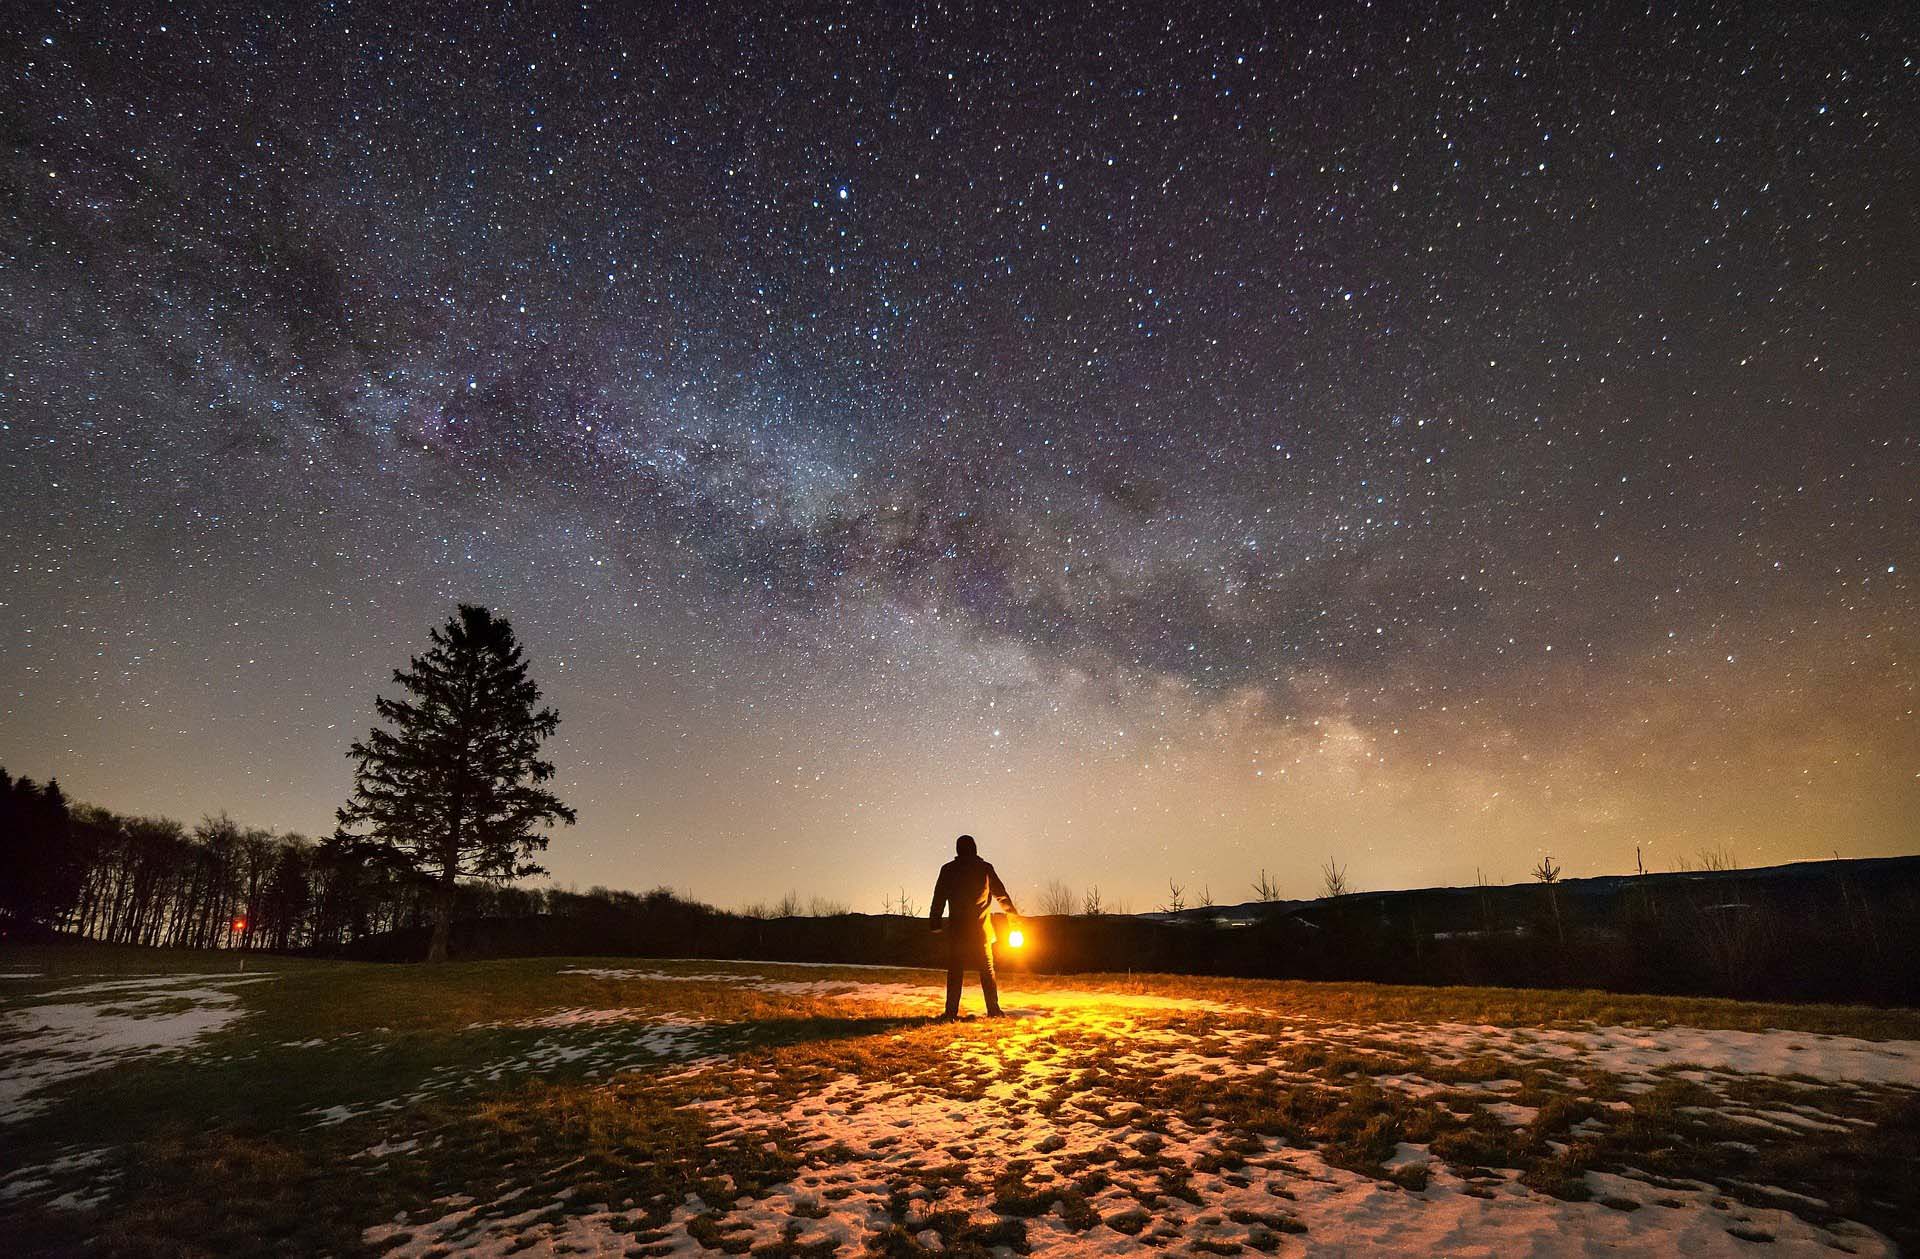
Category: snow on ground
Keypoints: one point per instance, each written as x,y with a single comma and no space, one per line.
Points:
1636,1052
942,1142
1643,1053
1632,1050
82,1168
928,1149
67,1032
866,1143
1343,1214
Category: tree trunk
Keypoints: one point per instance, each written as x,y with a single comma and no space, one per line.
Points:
442,917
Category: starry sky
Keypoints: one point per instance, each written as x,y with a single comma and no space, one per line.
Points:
1166,442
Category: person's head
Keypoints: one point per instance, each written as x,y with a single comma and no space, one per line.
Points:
966,847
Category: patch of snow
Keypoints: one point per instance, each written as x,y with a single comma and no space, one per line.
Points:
57,1037
386,1148
331,1115
1634,1050
577,1018
483,1232
1644,1054
1511,1113
37,1179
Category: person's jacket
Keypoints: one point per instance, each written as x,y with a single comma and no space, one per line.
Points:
970,885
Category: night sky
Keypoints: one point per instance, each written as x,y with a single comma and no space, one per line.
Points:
1163,444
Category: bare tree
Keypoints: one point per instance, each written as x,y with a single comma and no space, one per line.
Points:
1266,890
1549,874
822,907
787,906
1716,859
1206,896
1333,879
1090,906
1176,898
1486,903
1056,898
908,907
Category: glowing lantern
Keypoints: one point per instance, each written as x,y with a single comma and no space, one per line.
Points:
1016,938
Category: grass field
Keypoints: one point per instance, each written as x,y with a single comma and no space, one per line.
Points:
158,1103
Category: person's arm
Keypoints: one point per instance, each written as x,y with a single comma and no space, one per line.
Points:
999,889
939,900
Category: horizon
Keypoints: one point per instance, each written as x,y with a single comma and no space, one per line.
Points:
809,902
1424,443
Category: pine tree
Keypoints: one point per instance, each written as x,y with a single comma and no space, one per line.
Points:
452,791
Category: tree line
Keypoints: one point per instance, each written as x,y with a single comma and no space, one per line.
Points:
122,879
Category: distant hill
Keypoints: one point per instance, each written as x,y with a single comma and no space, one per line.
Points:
1592,890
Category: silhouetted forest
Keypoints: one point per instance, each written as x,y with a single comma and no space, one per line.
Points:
87,871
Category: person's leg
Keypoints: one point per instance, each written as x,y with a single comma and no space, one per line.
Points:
989,982
959,960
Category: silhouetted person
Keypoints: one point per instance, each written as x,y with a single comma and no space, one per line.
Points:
971,886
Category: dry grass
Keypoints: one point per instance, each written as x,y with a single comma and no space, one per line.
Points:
218,1152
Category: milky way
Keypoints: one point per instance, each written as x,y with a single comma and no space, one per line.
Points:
1165,445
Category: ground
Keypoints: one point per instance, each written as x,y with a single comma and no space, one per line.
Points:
166,1103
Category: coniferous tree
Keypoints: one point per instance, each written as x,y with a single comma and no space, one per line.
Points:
40,866
453,790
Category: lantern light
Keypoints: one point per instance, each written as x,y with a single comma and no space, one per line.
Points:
1016,938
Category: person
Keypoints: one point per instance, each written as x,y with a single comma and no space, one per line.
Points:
971,886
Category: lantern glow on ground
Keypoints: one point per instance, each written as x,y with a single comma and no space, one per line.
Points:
516,1106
